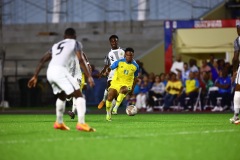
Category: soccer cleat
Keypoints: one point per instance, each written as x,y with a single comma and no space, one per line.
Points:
108,118
71,114
114,111
61,126
233,119
101,104
237,122
85,127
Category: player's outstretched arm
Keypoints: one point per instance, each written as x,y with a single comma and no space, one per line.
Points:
103,71
83,65
87,62
33,81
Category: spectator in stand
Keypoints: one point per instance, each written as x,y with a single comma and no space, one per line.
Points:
156,93
163,78
173,91
223,82
96,90
141,99
151,79
229,68
185,72
211,60
205,91
191,91
142,70
193,65
95,72
221,64
177,65
214,70
205,68
200,80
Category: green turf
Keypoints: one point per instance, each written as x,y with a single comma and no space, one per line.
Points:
141,137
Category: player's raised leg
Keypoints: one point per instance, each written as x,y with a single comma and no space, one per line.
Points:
102,103
120,98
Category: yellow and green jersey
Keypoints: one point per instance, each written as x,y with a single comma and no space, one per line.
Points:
125,72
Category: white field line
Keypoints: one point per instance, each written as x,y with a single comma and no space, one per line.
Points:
2,142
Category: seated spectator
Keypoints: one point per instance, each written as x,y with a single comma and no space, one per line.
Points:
223,82
191,91
193,65
163,78
205,92
151,79
157,91
214,70
205,68
141,98
221,64
173,90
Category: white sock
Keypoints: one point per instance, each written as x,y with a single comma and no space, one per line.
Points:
105,95
60,108
236,103
81,109
74,105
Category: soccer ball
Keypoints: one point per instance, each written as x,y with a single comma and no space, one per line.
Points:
131,110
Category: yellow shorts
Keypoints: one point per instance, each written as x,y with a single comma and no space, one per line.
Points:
118,86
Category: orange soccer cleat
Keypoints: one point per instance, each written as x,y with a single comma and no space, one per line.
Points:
101,104
85,127
61,126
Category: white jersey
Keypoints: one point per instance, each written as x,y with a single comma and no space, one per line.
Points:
113,56
64,52
74,67
58,74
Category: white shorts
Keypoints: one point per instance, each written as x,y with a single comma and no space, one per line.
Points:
110,75
237,80
61,80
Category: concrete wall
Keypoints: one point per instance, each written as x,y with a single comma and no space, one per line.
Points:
25,42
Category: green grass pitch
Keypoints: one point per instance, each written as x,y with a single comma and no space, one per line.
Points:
140,137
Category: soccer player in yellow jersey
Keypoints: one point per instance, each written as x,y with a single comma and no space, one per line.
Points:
124,80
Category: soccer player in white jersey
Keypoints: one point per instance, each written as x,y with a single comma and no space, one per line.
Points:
115,54
236,73
63,83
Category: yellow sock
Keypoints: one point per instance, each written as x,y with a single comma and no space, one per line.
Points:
119,100
108,107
